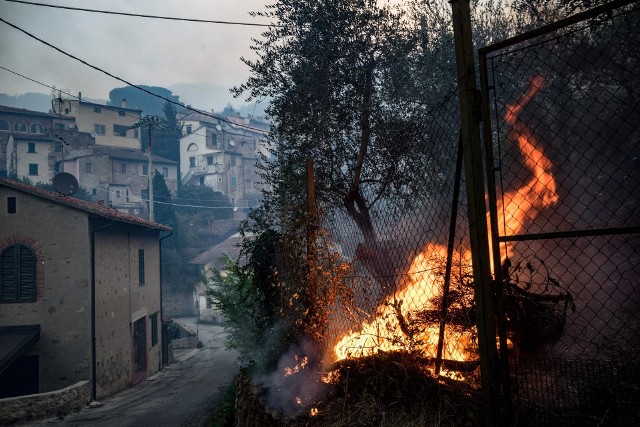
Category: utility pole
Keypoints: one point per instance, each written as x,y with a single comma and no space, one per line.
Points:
149,122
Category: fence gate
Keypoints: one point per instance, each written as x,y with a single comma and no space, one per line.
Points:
562,120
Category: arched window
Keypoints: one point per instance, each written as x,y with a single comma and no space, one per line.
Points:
192,147
20,127
4,125
37,128
18,274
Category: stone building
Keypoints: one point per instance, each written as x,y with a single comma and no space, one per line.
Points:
80,295
119,177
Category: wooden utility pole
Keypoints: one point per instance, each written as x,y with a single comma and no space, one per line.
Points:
479,238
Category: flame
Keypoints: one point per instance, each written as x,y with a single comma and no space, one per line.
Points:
388,330
525,203
313,412
301,364
331,377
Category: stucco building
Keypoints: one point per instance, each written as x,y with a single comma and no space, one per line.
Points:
221,154
109,124
80,289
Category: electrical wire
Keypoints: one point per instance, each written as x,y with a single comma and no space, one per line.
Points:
139,15
120,79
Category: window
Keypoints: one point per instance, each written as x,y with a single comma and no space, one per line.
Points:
126,192
122,113
94,192
31,147
233,201
192,147
88,167
234,181
209,160
33,169
202,180
18,273
145,169
188,128
141,266
118,194
165,172
4,125
37,128
119,130
11,205
20,127
135,133
123,168
192,162
97,109
233,160
154,329
219,179
58,126
100,129
214,139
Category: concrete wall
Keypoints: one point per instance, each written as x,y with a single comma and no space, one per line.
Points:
44,405
121,300
59,237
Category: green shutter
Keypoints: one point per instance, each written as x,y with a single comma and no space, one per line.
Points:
9,272
27,285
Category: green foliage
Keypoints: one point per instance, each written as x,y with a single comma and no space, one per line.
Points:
139,100
203,203
166,136
163,208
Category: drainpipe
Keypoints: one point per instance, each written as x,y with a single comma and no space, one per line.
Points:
93,309
163,338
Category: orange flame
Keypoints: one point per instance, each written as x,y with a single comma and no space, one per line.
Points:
387,330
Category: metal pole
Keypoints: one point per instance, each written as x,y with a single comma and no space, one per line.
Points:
151,216
479,239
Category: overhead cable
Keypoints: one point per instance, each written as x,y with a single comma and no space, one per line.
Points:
139,15
46,43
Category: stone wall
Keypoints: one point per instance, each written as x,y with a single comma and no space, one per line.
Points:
57,403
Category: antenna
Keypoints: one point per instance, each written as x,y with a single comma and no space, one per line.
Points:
65,183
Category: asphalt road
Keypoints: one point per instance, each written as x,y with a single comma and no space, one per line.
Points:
185,393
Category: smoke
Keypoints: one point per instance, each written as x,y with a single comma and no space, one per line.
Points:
296,384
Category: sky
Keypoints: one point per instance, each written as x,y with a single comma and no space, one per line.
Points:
142,51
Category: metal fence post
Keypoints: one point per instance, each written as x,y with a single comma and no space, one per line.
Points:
479,240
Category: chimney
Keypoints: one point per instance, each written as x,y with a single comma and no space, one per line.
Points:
79,96
124,102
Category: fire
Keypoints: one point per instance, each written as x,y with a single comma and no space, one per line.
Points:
526,202
313,412
389,329
301,363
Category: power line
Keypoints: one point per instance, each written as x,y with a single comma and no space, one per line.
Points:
139,15
82,61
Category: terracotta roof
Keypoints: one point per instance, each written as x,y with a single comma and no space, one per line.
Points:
24,111
215,255
89,207
118,153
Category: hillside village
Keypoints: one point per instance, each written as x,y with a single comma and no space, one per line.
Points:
88,262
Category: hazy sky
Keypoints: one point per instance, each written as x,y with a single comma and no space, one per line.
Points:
142,51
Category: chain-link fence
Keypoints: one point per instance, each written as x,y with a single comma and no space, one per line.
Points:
565,125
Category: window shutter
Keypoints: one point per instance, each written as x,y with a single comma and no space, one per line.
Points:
27,285
8,266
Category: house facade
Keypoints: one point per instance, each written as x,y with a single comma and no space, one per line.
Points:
110,125
218,153
21,126
120,177
80,284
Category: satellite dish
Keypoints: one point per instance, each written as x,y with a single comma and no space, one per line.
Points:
232,143
218,127
65,183
93,134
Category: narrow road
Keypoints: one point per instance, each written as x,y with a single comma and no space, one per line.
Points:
183,394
